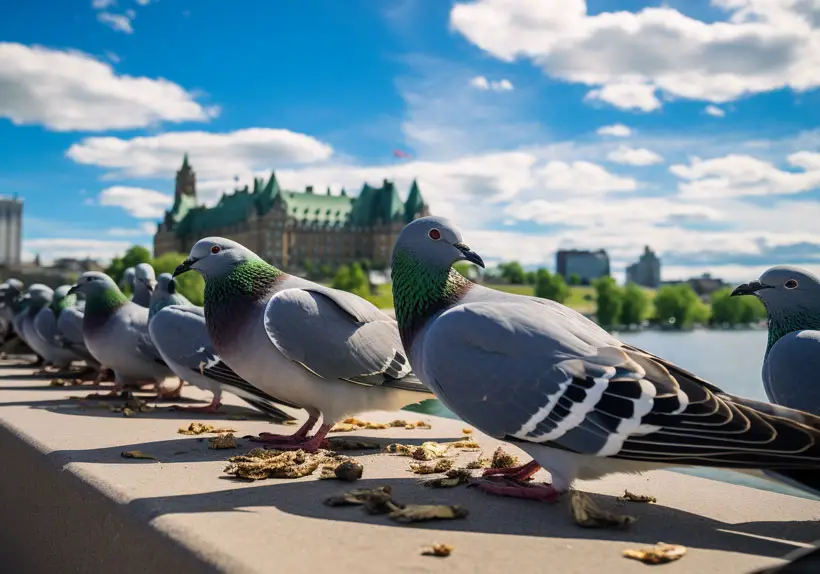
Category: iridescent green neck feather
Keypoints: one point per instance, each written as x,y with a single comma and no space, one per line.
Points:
101,305
782,323
230,297
58,305
420,291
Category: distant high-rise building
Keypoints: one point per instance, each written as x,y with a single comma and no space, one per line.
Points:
646,271
587,265
11,226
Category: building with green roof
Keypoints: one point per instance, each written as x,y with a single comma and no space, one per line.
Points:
291,227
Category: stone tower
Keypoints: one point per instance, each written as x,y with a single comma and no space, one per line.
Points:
186,181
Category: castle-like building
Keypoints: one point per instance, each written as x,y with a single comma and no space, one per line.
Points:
288,228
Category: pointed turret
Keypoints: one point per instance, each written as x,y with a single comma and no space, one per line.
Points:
414,206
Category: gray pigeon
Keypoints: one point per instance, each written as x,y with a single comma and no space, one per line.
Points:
47,333
327,351
144,283
127,281
792,299
115,331
37,296
582,403
181,336
165,293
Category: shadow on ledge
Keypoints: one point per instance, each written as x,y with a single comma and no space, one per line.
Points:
491,515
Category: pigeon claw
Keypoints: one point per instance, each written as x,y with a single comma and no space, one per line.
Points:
519,473
515,489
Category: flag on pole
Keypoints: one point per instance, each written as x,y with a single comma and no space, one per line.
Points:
400,154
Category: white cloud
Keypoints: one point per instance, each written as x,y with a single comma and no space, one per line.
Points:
736,175
634,156
715,111
102,4
115,59
50,249
583,178
143,2
137,201
68,90
763,46
615,130
626,96
481,83
213,155
118,22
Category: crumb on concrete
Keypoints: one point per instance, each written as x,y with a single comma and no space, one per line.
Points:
427,451
261,463
380,501
479,462
222,441
453,478
440,550
441,465
138,454
202,428
347,470
352,424
632,497
660,553
503,459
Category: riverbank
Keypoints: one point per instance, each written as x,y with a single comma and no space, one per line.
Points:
78,505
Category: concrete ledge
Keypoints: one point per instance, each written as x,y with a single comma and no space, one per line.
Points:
73,504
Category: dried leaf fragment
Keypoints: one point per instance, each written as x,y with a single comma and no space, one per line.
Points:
260,463
427,451
222,441
660,553
465,443
503,459
375,500
480,462
632,497
137,454
201,428
452,478
424,512
60,383
441,465
588,515
440,550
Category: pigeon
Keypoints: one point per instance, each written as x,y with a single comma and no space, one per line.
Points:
36,297
10,290
127,281
583,404
327,351
115,331
181,337
47,333
792,299
144,283
165,293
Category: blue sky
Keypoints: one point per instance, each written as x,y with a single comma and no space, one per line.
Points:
534,124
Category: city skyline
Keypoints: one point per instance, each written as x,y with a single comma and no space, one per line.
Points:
557,135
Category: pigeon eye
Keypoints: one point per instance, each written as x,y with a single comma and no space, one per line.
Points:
216,249
434,234
790,284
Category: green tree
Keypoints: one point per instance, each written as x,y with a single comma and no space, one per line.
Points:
310,269
728,310
530,277
358,282
635,305
609,299
325,271
463,268
512,272
550,286
135,255
342,278
680,306
189,284
574,279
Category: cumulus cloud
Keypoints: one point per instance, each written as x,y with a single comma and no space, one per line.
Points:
737,175
137,201
634,156
482,83
68,90
56,248
715,111
117,22
213,154
628,56
615,130
146,228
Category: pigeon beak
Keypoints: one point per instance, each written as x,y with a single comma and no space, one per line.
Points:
151,284
73,290
469,254
750,288
184,266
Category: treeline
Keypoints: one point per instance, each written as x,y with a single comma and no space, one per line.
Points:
190,284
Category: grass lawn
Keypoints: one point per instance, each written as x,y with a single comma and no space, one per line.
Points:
582,299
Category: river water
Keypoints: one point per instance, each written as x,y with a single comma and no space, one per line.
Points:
730,359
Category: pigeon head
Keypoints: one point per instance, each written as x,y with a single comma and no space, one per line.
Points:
166,284
61,292
146,275
214,257
784,287
61,298
436,242
40,295
128,278
93,283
